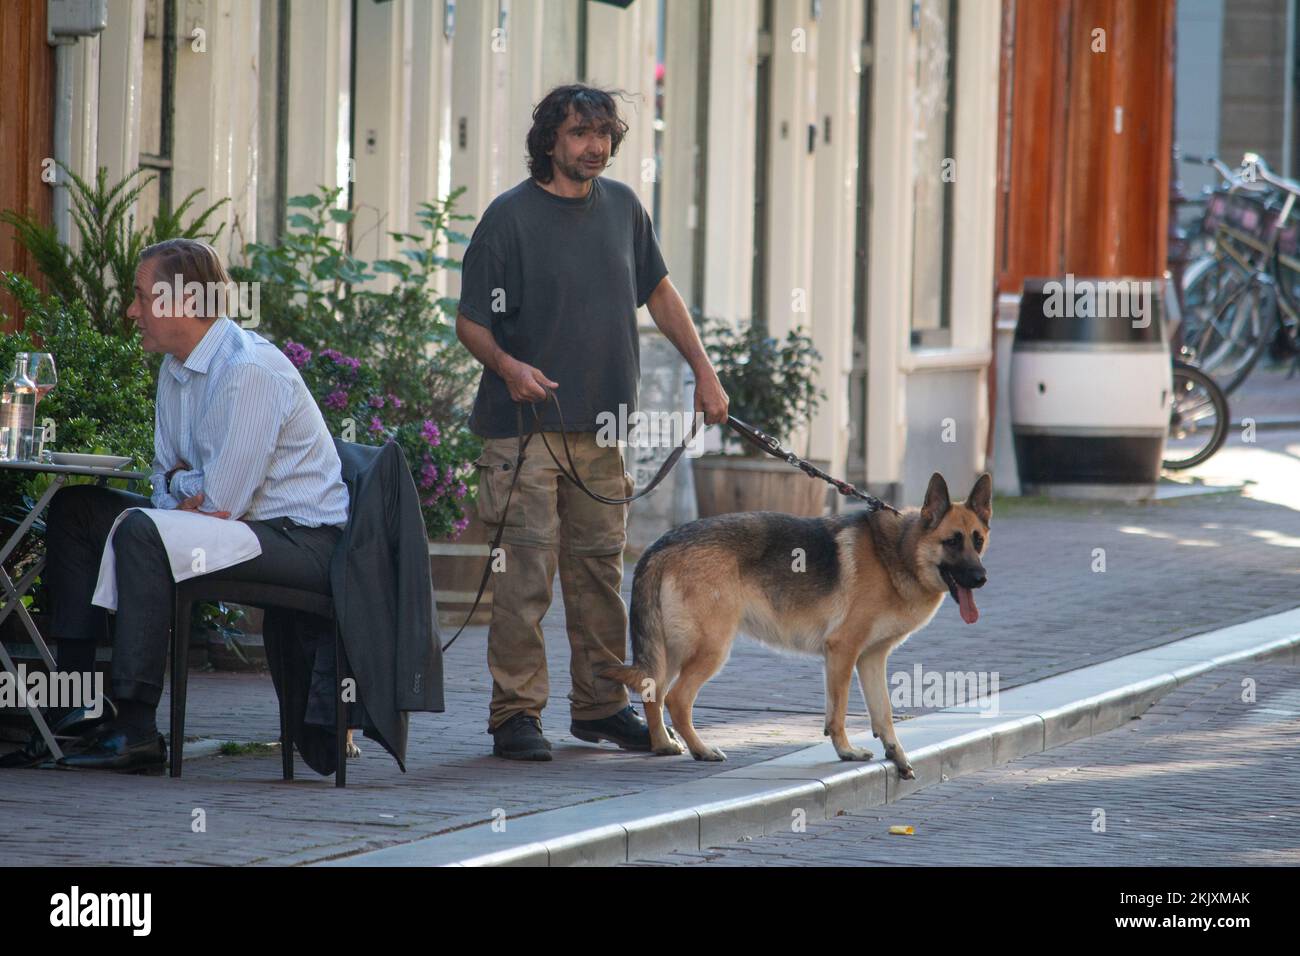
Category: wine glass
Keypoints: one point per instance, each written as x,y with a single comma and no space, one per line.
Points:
40,366
44,375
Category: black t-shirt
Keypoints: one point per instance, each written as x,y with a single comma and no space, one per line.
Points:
558,281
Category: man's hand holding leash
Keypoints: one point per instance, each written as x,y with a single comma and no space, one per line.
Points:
526,384
711,399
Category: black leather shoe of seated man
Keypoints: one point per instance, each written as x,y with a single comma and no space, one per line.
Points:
67,727
111,747
626,728
520,738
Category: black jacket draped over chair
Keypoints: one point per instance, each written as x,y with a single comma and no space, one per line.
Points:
384,602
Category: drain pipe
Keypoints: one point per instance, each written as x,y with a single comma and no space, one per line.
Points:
68,21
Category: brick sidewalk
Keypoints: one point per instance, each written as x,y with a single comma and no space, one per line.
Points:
1173,569
1268,393
1202,779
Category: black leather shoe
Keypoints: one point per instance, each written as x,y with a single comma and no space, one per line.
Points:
112,749
626,728
74,724
520,738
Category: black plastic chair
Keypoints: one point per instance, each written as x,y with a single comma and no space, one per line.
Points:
209,588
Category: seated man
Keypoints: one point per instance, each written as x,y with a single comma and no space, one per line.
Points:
237,436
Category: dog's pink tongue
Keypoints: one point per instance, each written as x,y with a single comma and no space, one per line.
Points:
966,601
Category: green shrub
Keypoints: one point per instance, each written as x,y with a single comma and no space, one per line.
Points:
313,293
101,273
356,407
103,402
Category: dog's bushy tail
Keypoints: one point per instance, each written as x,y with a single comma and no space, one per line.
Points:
645,622
629,675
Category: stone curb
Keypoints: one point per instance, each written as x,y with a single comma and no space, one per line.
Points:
766,797
1270,424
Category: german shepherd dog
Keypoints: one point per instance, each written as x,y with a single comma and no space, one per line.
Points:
849,588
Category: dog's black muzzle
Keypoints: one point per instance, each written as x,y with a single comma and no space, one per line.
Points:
962,575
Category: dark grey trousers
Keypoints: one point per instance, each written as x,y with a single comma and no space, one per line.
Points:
76,530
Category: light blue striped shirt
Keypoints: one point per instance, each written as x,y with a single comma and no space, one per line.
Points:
240,415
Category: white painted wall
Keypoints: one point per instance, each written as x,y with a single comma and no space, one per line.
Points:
905,444
121,65
1198,69
835,172
890,232
621,55
382,129
84,159
678,215
791,166
477,105
729,243
319,94
215,141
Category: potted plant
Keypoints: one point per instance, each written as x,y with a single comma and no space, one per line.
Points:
771,385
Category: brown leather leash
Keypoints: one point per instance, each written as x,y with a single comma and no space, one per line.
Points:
751,434
770,445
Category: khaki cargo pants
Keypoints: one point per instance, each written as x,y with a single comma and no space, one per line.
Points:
552,521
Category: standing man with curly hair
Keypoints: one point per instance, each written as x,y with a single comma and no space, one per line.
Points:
551,282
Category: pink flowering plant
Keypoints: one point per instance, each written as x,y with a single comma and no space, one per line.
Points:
357,408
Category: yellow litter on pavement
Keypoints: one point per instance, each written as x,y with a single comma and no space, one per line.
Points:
902,831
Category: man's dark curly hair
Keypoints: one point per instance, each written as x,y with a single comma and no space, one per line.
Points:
590,103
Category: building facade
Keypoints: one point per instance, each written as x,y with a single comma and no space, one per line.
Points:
824,164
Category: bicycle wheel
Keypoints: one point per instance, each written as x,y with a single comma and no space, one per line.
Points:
1198,419
1202,284
1234,330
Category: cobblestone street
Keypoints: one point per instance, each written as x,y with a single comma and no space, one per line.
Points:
1202,779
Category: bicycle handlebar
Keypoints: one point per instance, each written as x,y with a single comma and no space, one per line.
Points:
1266,174
1234,179
1219,166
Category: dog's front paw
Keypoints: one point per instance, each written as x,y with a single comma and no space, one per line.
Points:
710,754
353,751
673,747
853,753
905,771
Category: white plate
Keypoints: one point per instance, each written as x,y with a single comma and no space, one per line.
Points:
89,461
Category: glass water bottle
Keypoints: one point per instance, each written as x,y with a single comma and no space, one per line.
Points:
18,413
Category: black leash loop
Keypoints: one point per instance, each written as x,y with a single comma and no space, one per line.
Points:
572,474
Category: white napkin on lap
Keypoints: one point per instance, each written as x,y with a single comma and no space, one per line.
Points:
223,543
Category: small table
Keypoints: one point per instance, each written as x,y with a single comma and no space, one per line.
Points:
11,600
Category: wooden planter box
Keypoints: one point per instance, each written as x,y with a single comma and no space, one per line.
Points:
456,567
729,483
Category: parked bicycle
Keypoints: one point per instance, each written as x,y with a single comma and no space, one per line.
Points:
1199,235
1243,296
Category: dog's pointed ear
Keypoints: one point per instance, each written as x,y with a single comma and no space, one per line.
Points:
937,502
980,499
